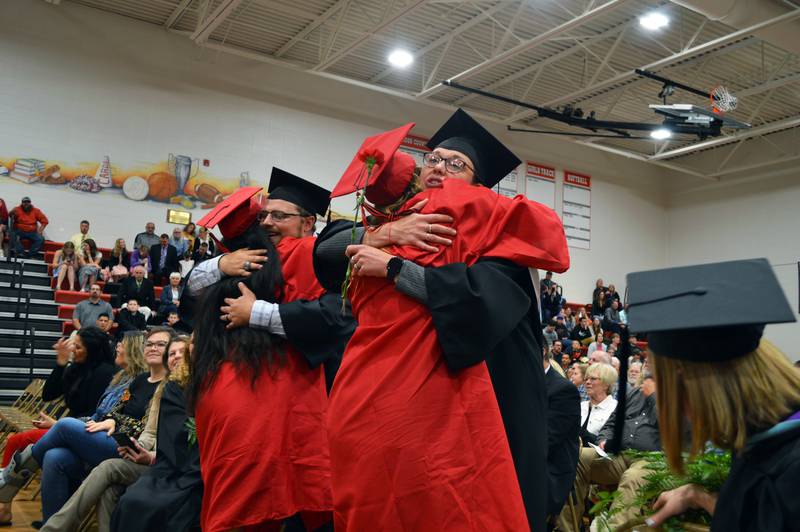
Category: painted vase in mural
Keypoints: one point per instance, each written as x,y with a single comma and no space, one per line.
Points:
183,168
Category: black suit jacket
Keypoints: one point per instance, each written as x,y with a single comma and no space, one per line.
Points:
145,295
563,423
170,262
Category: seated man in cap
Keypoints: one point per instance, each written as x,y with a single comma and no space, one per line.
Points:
462,298
28,224
315,326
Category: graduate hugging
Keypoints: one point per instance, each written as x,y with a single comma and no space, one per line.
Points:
436,419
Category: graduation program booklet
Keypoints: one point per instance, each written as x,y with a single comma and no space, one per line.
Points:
600,451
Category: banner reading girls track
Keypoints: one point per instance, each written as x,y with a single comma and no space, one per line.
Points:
540,184
577,209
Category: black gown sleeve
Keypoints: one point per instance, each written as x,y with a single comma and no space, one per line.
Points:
475,307
318,330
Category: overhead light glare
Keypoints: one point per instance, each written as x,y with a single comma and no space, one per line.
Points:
654,21
400,58
661,133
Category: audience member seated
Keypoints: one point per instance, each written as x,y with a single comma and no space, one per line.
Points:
563,418
599,304
165,259
71,444
3,225
89,260
549,333
117,266
189,233
202,253
635,349
170,298
551,302
640,433
177,241
575,349
611,296
186,264
82,383
148,238
569,319
141,257
204,238
105,323
599,287
105,483
65,264
611,318
545,283
597,327
597,345
561,328
634,373
599,357
130,319
169,494
583,333
28,224
81,236
577,375
174,320
140,289
88,310
600,379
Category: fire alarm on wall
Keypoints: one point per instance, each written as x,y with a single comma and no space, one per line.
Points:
206,162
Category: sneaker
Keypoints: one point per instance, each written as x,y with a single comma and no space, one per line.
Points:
17,473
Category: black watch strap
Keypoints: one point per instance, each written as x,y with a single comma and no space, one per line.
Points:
393,268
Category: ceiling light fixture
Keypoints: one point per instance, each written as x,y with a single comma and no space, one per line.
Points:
400,58
654,21
661,133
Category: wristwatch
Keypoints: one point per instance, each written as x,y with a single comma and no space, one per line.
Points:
393,268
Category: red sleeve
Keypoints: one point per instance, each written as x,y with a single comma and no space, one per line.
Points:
41,218
3,210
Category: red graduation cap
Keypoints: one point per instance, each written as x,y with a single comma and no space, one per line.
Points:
391,174
235,214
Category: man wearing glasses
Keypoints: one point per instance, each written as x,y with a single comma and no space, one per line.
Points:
487,312
315,326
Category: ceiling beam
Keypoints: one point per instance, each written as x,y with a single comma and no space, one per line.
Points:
314,24
678,57
207,26
177,13
528,45
446,38
411,7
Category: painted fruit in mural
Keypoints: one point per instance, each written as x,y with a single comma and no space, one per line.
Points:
135,188
162,186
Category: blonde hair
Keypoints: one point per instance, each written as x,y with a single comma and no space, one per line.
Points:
133,344
724,401
605,372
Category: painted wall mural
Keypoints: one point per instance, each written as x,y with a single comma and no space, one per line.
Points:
177,180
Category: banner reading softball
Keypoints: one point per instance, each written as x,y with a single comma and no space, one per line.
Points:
540,184
577,209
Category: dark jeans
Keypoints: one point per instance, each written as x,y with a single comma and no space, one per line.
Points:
37,241
63,453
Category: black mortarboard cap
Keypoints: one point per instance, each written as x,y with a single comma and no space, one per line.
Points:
305,194
708,312
492,160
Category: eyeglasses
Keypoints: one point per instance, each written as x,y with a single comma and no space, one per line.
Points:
161,345
453,165
278,216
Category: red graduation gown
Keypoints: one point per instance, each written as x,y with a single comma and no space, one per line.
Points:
415,446
264,449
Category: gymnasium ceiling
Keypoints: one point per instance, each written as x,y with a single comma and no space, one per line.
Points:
549,52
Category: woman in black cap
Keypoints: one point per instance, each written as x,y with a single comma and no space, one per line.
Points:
715,374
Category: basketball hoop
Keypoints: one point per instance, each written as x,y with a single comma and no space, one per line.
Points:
722,101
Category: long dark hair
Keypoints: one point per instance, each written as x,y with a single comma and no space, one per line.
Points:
250,350
97,345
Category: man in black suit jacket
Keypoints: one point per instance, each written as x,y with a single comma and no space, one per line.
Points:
140,289
563,423
164,258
